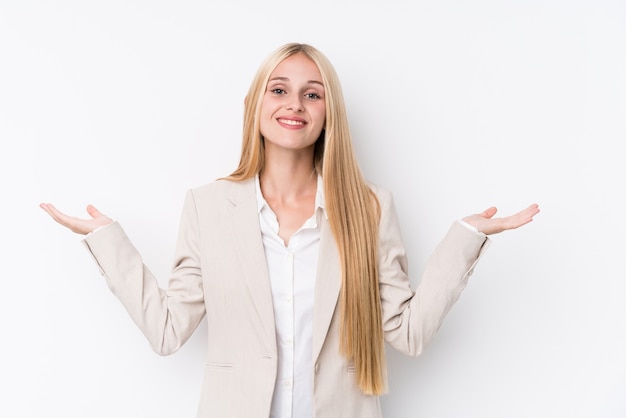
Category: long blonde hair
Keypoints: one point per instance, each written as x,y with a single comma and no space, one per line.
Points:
352,209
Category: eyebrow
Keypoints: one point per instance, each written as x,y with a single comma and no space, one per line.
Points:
287,79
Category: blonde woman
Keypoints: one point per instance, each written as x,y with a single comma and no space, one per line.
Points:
294,259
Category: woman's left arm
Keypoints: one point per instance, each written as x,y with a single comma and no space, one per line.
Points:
411,318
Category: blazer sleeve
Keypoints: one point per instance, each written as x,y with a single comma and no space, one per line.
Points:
411,318
167,317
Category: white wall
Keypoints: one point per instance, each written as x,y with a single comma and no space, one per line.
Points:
455,106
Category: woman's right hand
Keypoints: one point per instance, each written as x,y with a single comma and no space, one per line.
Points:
77,225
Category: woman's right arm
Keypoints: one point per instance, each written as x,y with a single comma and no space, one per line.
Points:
167,317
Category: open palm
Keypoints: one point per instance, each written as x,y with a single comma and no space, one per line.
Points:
487,224
78,225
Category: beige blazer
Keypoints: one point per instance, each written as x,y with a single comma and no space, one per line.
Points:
220,272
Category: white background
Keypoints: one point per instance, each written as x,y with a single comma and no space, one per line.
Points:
454,106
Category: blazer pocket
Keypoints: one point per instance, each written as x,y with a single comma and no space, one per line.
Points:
219,366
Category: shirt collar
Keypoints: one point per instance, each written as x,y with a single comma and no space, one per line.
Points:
319,196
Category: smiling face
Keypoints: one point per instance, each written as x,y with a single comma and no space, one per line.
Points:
293,110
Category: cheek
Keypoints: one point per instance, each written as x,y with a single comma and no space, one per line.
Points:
265,116
321,116
320,126
264,107
263,125
318,112
269,107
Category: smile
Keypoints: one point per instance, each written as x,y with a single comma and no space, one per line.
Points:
291,122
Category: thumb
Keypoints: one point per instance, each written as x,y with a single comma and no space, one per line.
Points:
93,212
488,213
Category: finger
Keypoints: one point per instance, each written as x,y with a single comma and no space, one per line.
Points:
70,222
93,212
533,209
56,214
488,213
522,217
529,212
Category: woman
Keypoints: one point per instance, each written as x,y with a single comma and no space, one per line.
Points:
295,260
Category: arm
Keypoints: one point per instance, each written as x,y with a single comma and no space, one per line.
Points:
167,317
411,318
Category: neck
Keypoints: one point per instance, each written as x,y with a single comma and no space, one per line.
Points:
288,178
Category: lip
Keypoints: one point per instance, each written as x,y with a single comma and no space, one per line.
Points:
291,122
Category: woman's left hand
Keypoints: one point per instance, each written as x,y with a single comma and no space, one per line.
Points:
487,224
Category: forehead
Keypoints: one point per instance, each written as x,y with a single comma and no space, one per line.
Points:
296,68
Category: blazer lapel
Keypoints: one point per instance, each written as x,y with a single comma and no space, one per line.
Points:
245,218
250,250
327,287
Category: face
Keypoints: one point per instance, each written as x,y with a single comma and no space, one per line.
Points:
293,111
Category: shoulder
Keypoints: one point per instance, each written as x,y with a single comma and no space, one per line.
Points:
383,194
224,189
220,196
388,215
211,202
219,186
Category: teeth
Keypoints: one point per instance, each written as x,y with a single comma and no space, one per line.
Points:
291,122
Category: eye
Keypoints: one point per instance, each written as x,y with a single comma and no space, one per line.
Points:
312,96
278,91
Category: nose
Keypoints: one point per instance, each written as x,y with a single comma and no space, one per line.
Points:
294,104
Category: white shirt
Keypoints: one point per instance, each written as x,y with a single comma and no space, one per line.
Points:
292,271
